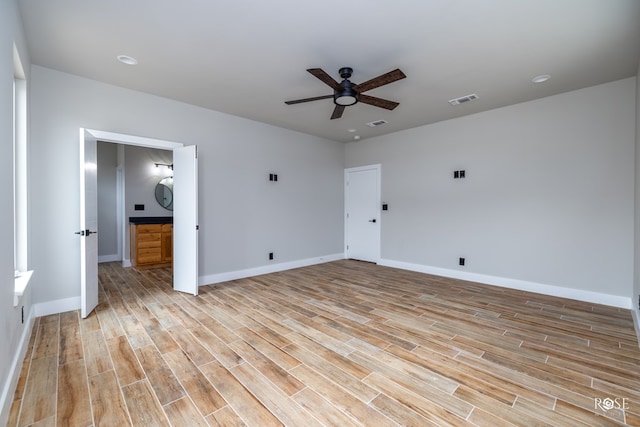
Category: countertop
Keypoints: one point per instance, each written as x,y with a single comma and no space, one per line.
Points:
150,220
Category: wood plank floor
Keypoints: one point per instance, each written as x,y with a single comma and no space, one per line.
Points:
339,344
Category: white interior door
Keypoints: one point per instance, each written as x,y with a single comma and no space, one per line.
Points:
185,219
88,223
362,216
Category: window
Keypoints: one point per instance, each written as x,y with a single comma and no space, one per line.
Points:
22,276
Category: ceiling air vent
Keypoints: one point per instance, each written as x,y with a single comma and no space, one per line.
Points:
376,123
463,99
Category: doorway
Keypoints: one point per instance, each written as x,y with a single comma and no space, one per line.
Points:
128,182
362,213
185,217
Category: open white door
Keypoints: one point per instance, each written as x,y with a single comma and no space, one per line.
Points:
185,219
362,222
88,223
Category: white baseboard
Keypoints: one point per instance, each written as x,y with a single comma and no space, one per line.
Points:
265,269
109,258
57,306
6,399
126,262
557,291
73,303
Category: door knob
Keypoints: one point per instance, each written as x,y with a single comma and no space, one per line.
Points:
372,220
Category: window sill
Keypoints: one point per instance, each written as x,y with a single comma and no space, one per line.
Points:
21,282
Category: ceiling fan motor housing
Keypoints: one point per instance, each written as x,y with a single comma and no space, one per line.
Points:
345,72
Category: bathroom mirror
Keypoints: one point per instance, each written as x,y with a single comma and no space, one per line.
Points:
164,193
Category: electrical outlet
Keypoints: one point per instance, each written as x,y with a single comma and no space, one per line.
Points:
461,261
270,255
459,174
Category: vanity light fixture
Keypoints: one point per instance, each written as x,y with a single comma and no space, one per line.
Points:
170,166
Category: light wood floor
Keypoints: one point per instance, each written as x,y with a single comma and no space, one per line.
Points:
340,344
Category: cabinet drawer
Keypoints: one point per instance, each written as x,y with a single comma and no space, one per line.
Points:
146,251
149,228
142,244
151,258
147,237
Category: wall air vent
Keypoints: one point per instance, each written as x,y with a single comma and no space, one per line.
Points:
463,99
376,123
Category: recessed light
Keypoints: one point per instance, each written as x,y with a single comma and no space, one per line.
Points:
356,137
125,59
351,130
541,79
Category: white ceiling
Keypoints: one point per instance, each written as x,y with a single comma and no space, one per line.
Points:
246,57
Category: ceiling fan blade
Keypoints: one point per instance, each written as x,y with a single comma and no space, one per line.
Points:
337,112
325,78
315,98
377,102
381,80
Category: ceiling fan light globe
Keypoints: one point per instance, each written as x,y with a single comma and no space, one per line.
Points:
345,100
347,96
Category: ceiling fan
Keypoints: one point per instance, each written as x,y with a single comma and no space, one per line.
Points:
347,93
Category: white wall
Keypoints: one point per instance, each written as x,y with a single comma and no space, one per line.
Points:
242,215
12,331
141,178
548,197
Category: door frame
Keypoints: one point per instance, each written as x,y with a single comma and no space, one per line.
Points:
121,216
378,168
125,139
